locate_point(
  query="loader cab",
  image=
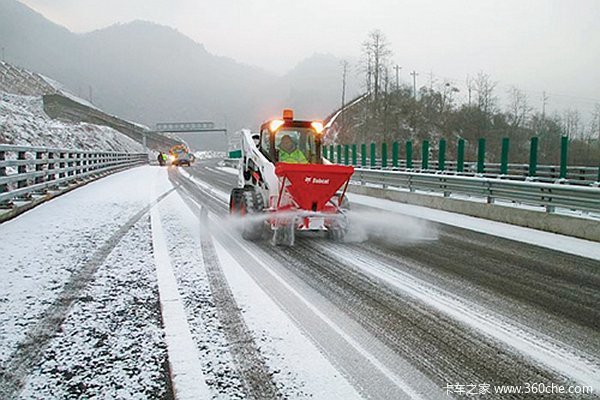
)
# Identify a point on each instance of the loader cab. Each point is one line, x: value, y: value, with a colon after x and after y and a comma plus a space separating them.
x: 292, y: 141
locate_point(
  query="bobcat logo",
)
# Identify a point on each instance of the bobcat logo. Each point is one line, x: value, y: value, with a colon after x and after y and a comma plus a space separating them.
x: 316, y: 181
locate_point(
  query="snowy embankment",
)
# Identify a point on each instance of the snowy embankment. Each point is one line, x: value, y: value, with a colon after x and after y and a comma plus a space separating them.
x: 24, y: 122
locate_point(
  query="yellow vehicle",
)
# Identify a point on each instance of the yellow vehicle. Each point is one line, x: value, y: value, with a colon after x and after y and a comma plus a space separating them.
x: 180, y: 155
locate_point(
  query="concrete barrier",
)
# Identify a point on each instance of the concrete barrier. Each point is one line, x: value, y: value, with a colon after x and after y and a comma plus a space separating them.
x: 550, y: 222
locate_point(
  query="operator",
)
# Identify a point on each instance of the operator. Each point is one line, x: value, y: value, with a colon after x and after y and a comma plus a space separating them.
x: 289, y: 153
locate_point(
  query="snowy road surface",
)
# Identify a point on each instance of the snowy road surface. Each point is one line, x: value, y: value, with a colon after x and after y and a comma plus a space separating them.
x: 139, y: 286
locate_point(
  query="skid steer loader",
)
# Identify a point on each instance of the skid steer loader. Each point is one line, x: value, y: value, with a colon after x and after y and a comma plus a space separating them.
x: 285, y: 186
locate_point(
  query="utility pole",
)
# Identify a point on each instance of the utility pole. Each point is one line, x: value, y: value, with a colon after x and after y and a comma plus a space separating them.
x: 344, y: 73
x: 469, y: 87
x: 544, y: 100
x: 397, y: 68
x: 414, y: 75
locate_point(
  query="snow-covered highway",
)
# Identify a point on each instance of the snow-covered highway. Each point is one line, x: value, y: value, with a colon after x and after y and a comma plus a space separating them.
x: 139, y: 286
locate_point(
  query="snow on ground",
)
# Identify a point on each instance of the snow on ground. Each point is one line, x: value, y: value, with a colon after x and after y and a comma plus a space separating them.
x: 41, y: 249
x: 111, y: 345
x: 566, y: 244
x: 24, y: 122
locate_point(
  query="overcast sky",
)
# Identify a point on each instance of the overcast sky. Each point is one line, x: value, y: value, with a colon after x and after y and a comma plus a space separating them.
x: 551, y: 45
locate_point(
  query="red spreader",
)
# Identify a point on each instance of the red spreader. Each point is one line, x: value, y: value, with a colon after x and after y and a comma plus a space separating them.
x: 313, y: 185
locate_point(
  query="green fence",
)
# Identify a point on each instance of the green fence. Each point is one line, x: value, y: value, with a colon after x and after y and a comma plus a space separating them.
x: 373, y: 155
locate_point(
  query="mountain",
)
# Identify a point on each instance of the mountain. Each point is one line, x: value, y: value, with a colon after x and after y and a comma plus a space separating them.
x: 151, y: 73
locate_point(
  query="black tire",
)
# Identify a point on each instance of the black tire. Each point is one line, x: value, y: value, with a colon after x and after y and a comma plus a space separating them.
x: 235, y: 201
x: 251, y: 209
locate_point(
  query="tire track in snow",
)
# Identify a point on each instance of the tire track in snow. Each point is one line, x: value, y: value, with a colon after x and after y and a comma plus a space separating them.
x: 31, y: 351
x: 248, y: 360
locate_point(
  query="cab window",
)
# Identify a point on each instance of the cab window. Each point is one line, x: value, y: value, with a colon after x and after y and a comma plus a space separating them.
x: 296, y: 139
x: 265, y: 143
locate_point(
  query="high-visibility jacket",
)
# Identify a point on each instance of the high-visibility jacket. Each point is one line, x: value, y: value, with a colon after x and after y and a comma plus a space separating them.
x: 295, y: 157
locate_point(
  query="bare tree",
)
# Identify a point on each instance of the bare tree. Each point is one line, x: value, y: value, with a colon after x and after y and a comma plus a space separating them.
x: 571, y: 123
x: 376, y: 54
x: 448, y: 91
x: 484, y: 86
x: 595, y: 123
x: 518, y: 108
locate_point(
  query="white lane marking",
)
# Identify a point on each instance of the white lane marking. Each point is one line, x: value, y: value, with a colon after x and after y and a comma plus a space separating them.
x: 534, y: 344
x: 553, y: 241
x: 184, y: 358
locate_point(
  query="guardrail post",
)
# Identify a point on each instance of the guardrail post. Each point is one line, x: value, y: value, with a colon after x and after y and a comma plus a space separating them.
x: 533, y: 150
x: 564, y: 150
x: 481, y: 156
x: 442, y: 155
x: 384, y: 155
x: 363, y: 155
x: 4, y: 186
x: 324, y: 151
x: 425, y: 154
x: 373, y: 155
x: 346, y: 154
x: 21, y: 169
x: 460, y: 156
x: 73, y: 164
x: 395, y: 155
x: 331, y: 154
x: 39, y: 167
x: 61, y: 165
x: 338, y: 151
x: 504, y: 156
x: 409, y: 160
x: 80, y: 166
x: 354, y: 154
x: 490, y: 199
x: 51, y: 175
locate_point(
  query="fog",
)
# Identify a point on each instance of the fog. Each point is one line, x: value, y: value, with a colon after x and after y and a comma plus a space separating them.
x: 547, y: 45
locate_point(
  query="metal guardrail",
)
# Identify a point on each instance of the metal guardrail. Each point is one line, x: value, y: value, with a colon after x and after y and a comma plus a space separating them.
x: 548, y: 195
x: 25, y: 170
x: 576, y: 175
